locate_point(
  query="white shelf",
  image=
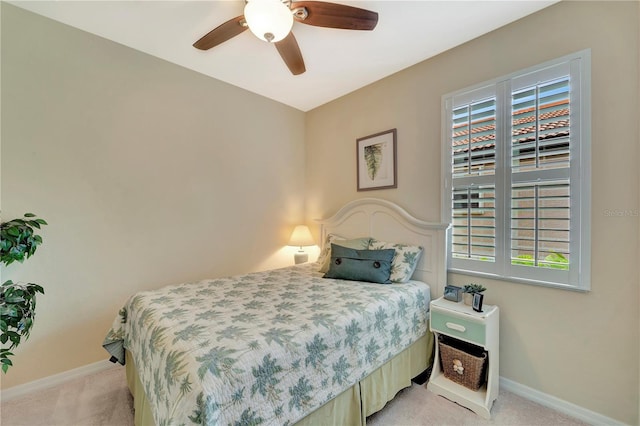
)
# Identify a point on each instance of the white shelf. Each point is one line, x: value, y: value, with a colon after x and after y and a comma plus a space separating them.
x: 461, y: 308
x: 476, y: 401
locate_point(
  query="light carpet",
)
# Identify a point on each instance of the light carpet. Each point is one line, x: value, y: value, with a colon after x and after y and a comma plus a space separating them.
x: 103, y: 399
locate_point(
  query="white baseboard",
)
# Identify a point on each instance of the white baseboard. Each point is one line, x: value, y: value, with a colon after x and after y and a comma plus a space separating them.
x: 56, y: 379
x: 557, y: 404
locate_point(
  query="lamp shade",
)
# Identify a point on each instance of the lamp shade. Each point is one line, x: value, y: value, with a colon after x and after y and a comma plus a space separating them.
x: 301, y: 236
x: 269, y: 20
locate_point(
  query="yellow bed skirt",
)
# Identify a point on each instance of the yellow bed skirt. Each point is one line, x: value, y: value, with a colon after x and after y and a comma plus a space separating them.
x: 351, y: 407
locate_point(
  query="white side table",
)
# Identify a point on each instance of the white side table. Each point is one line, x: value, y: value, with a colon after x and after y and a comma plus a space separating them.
x: 457, y: 320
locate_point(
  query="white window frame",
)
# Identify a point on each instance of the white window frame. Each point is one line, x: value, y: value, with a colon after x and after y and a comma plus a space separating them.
x: 578, y: 66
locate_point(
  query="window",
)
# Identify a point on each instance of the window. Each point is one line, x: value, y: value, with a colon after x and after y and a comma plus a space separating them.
x: 517, y: 175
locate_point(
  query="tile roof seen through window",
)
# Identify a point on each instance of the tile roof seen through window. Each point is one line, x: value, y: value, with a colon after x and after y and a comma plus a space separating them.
x: 487, y: 132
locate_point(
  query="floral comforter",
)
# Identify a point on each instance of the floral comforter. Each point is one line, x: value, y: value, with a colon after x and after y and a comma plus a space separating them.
x: 263, y: 348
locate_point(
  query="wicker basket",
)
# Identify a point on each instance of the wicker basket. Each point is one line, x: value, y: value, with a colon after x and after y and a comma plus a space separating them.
x: 463, y: 363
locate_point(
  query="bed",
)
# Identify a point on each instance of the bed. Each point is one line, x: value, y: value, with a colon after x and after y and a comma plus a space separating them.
x: 286, y: 346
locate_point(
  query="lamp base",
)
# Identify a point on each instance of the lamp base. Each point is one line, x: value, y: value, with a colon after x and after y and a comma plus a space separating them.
x: 300, y: 258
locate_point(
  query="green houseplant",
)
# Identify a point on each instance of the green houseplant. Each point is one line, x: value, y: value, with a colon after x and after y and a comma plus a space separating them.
x: 469, y: 290
x: 18, y: 241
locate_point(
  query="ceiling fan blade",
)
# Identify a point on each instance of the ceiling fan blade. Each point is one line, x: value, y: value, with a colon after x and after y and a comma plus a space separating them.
x: 222, y: 33
x: 291, y: 55
x: 332, y: 15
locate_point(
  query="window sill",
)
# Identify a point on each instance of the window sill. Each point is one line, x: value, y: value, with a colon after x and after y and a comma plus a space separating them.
x: 518, y: 280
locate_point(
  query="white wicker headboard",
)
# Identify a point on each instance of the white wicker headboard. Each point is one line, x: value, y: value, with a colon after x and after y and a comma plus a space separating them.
x: 386, y: 221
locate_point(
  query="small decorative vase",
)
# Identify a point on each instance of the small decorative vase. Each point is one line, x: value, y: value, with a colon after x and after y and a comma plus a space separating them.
x: 468, y: 298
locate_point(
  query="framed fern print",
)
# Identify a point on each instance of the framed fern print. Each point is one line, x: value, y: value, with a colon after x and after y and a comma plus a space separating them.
x: 376, y: 161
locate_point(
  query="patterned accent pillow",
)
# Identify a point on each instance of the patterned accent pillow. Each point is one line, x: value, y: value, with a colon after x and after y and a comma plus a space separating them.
x: 325, y: 255
x: 404, y: 262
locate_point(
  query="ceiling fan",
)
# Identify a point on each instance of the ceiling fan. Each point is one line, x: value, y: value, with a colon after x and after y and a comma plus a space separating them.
x: 272, y: 20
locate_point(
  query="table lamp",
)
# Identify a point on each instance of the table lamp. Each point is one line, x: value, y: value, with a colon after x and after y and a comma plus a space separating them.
x: 301, y: 237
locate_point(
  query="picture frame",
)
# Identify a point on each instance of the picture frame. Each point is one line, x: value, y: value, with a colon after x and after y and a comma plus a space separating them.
x: 477, y: 302
x: 376, y: 161
x: 453, y: 293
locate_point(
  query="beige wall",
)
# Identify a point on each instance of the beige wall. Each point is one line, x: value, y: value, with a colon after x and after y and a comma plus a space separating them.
x: 580, y: 347
x: 147, y: 173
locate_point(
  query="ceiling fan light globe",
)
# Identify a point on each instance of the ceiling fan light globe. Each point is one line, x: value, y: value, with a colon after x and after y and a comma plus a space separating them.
x: 269, y: 20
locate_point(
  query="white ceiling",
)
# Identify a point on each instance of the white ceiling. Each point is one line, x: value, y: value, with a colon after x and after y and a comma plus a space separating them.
x: 337, y: 61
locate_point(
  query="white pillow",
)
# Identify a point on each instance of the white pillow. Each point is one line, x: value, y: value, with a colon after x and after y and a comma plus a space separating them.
x: 404, y: 262
x: 324, y: 259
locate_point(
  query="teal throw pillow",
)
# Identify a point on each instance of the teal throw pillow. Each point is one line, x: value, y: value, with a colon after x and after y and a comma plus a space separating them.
x: 360, y: 265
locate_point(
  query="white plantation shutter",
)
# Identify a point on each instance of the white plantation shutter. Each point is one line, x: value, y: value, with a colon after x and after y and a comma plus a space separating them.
x: 540, y: 132
x: 517, y: 174
x: 540, y: 218
x: 472, y: 147
x: 474, y: 223
x: 474, y: 138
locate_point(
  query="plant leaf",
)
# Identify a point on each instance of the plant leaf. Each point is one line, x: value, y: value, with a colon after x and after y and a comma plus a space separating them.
x: 373, y: 158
